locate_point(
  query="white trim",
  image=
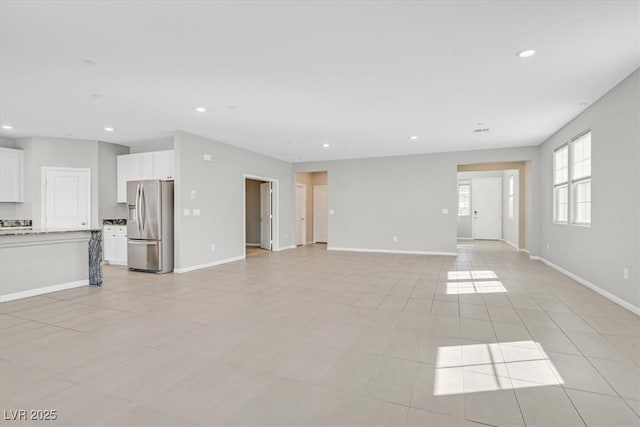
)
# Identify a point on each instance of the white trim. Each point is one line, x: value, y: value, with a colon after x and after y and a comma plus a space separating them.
x: 286, y: 247
x: 44, y: 290
x: 608, y: 295
x: 392, y: 251
x: 275, y: 210
x: 209, y: 264
x: 464, y: 238
x: 252, y: 244
x: 510, y: 244
x: 534, y: 257
x: 306, y: 214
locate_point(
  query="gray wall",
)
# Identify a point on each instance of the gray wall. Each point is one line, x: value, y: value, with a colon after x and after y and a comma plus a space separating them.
x: 108, y: 207
x: 600, y: 252
x: 152, y: 145
x: 252, y: 219
x: 376, y: 199
x: 510, y: 227
x: 8, y: 210
x: 39, y: 152
x: 219, y: 186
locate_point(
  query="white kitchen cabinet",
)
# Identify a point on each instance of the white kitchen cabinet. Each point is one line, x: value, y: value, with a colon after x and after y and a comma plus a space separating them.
x: 11, y: 175
x: 163, y: 164
x: 151, y: 165
x: 115, y: 244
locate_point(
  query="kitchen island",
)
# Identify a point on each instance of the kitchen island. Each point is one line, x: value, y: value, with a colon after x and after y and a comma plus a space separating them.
x: 38, y: 261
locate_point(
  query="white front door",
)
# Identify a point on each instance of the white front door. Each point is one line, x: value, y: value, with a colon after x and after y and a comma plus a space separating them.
x: 67, y: 197
x: 486, y: 208
x: 265, y: 215
x: 301, y: 214
x: 320, y: 214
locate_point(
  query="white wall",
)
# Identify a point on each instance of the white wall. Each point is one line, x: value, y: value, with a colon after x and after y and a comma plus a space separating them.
x: 219, y: 186
x: 160, y: 144
x: 599, y: 253
x: 376, y: 199
x: 510, y: 227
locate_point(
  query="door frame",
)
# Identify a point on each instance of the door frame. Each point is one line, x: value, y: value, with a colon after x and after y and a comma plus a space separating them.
x: 326, y: 187
x: 275, y: 211
x: 304, y: 229
x: 43, y: 191
x: 473, y: 223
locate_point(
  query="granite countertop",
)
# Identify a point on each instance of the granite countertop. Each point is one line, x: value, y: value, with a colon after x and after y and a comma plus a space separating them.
x: 20, y: 231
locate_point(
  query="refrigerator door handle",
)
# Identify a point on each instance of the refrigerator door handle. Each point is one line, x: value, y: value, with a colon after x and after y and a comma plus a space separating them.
x: 138, y: 209
x: 143, y: 210
x: 143, y: 242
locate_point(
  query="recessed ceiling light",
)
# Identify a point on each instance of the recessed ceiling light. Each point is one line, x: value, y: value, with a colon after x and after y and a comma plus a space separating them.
x: 201, y: 109
x: 326, y: 145
x: 109, y: 129
x: 88, y: 62
x: 413, y: 138
x: 526, y: 53
x: 7, y: 127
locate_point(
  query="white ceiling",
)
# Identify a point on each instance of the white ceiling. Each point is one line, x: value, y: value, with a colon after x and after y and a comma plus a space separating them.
x: 362, y: 76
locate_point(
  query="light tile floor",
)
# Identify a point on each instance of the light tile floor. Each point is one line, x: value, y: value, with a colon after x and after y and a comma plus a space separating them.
x: 310, y: 337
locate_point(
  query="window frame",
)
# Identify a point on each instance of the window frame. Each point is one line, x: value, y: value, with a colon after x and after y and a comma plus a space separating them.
x: 468, y: 185
x: 511, y: 197
x: 563, y: 184
x: 571, y: 184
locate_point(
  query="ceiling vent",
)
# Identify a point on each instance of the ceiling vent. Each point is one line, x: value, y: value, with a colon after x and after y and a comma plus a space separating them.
x: 481, y: 130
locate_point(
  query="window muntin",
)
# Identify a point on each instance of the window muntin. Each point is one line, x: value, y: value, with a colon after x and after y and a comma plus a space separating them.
x: 572, y: 196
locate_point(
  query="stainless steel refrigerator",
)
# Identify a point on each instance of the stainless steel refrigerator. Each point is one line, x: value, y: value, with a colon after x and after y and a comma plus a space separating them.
x: 150, y: 225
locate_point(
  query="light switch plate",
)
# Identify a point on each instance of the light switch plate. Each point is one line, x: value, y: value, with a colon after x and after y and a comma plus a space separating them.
x: 445, y: 211
x: 331, y: 211
x: 206, y: 157
x: 187, y: 212
x: 193, y: 194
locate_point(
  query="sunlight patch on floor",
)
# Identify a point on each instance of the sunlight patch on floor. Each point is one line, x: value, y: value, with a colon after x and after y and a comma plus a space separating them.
x: 495, y: 366
x: 487, y: 287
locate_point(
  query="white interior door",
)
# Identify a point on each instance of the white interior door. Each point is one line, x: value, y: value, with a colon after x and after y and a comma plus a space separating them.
x: 266, y: 215
x: 320, y: 214
x: 486, y: 208
x: 301, y: 214
x: 67, y: 197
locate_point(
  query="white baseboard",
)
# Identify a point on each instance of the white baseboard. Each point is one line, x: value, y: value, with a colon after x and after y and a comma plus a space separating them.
x: 511, y: 244
x: 608, y: 295
x: 44, y: 290
x: 310, y: 242
x: 209, y: 264
x: 252, y: 244
x: 392, y: 251
x: 534, y: 257
x: 464, y: 238
x: 286, y: 247
x: 526, y: 251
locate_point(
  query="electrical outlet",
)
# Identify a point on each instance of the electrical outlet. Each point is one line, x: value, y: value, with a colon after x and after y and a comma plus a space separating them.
x: 445, y: 211
x: 625, y: 273
x: 395, y: 238
x: 206, y: 157
x: 196, y: 212
x: 286, y: 236
x: 547, y: 246
x: 213, y: 247
x: 331, y: 212
x: 187, y: 212
x: 193, y: 194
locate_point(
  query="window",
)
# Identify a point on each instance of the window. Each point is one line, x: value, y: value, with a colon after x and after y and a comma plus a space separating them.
x: 561, y: 184
x: 511, y: 196
x: 572, y: 181
x: 581, y: 179
x: 464, y: 200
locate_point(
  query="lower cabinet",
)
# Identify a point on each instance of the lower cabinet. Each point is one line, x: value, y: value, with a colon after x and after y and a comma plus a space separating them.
x: 115, y: 244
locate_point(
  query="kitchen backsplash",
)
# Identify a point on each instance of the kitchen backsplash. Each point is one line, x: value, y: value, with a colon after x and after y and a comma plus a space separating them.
x: 15, y: 223
x: 119, y: 221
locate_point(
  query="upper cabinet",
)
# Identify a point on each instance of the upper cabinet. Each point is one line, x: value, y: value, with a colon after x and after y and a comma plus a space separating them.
x: 133, y: 167
x: 11, y: 175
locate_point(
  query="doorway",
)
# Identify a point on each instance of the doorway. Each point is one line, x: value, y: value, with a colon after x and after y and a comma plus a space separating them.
x: 260, y: 214
x: 66, y: 198
x: 491, y: 203
x: 312, y: 225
